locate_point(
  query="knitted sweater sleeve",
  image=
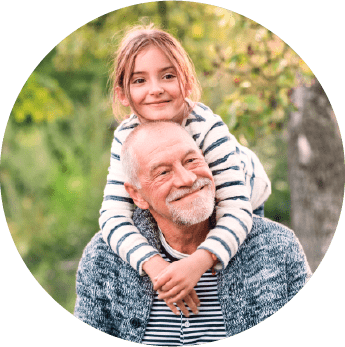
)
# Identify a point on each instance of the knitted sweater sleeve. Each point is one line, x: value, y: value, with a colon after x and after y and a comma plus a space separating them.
x: 297, y: 268
x: 93, y: 304
x: 117, y: 208
x: 233, y: 206
x: 90, y: 308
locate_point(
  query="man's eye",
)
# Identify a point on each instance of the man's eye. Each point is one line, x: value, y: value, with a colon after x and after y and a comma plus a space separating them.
x: 163, y: 173
x: 190, y: 160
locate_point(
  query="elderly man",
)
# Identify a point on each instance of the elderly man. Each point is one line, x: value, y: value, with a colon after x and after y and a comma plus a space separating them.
x: 174, y: 190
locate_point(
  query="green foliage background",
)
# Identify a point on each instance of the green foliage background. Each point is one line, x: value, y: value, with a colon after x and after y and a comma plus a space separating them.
x: 56, y: 149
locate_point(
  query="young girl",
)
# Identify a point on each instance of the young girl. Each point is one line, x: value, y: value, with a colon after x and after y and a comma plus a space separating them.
x: 154, y: 76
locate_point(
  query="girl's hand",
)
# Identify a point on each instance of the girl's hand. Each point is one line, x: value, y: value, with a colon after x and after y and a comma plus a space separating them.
x: 176, y: 281
x: 191, y: 300
x: 155, y: 266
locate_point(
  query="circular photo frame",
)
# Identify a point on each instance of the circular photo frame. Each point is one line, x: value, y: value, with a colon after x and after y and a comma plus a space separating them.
x: 57, y: 141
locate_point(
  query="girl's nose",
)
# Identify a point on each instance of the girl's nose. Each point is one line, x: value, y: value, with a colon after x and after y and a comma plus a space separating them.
x: 156, y: 89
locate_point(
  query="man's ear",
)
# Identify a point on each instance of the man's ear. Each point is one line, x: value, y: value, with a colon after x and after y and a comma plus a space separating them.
x: 136, y: 196
x: 122, y: 96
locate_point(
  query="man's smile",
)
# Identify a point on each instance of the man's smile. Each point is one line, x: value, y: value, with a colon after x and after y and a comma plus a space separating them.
x: 189, y: 194
x: 183, y: 193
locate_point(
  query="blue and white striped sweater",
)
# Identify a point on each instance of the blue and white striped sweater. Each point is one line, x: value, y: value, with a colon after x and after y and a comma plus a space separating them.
x: 241, y: 186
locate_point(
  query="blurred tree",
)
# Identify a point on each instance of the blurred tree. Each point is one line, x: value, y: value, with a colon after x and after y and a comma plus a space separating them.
x: 262, y: 68
x: 246, y: 71
x: 316, y: 171
x: 162, y: 10
x: 41, y: 99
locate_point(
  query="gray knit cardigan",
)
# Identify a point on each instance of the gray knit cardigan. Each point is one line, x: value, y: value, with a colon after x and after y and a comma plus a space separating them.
x: 268, y: 270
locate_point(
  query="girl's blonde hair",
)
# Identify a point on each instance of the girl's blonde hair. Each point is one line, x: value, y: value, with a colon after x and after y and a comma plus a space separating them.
x: 139, y: 38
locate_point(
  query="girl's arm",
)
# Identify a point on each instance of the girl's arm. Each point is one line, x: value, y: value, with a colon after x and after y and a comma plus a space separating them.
x: 233, y: 206
x: 257, y: 180
x: 115, y: 220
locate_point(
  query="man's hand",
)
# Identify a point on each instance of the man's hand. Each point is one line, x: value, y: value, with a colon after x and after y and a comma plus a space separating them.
x: 176, y: 282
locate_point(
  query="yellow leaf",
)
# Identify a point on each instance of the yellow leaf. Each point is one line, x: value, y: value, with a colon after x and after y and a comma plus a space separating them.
x: 197, y: 31
x: 304, y: 67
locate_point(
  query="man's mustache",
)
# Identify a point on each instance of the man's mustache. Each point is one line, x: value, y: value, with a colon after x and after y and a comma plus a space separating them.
x: 197, y: 185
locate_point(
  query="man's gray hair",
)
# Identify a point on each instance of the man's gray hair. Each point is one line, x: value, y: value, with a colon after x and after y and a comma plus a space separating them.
x: 129, y: 161
x: 129, y: 158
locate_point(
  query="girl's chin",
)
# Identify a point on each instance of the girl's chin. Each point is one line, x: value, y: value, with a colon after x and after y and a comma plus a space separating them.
x: 159, y: 116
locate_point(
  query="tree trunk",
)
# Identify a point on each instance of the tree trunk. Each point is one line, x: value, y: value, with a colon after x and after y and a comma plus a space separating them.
x: 316, y: 171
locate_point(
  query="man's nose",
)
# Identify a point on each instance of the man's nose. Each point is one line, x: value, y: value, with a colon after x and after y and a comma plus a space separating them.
x: 184, y: 177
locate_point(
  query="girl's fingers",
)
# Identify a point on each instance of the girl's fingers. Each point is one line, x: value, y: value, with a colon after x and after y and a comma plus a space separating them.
x: 191, y: 304
x: 160, y: 281
x: 192, y: 301
x: 170, y: 285
x: 183, y: 308
x: 179, y: 296
x: 194, y: 297
x: 173, y: 308
x: 172, y: 294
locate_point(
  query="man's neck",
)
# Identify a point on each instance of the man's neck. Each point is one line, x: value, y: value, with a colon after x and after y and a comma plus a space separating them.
x: 185, y: 239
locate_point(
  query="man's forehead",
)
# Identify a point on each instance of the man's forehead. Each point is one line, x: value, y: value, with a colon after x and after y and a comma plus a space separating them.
x: 162, y: 160
x: 156, y: 148
x: 163, y: 135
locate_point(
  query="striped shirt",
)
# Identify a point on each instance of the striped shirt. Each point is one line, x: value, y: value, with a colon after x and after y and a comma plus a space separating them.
x: 241, y: 186
x: 167, y: 329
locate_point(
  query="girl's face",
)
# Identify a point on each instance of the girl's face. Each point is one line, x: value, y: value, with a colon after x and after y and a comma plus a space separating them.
x: 154, y: 88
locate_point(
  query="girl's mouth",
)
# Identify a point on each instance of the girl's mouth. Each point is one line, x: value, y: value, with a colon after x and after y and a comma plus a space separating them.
x: 159, y: 103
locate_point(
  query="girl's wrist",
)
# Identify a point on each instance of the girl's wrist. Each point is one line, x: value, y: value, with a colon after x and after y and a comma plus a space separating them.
x: 215, y: 261
x: 154, y: 266
x: 206, y: 259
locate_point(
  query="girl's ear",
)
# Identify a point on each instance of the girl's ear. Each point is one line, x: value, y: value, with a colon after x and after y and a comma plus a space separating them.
x: 121, y: 96
x: 136, y: 196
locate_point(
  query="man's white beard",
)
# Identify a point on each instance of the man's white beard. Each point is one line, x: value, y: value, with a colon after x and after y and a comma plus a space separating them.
x: 196, y: 211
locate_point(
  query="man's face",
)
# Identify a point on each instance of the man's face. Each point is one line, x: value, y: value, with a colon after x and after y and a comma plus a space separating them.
x: 176, y: 182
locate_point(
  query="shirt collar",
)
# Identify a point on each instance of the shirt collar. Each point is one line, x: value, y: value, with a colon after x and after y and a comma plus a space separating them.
x: 173, y: 252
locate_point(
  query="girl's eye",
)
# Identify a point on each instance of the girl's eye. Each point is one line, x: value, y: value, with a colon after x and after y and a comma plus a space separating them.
x: 169, y: 76
x: 138, y: 81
